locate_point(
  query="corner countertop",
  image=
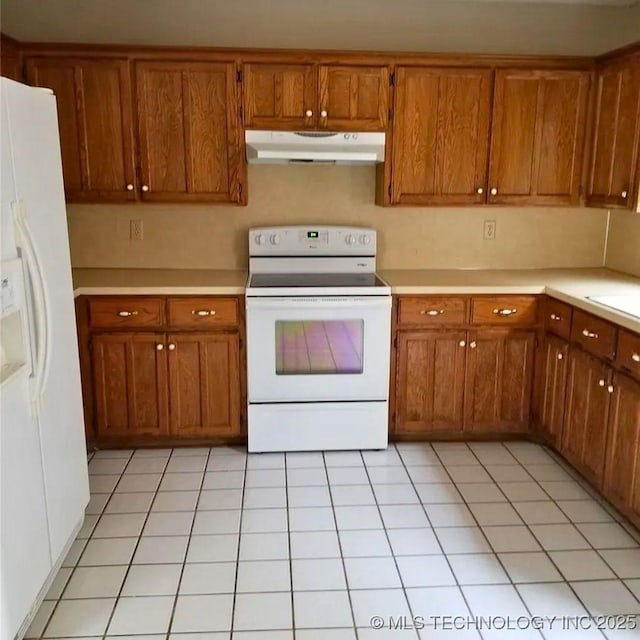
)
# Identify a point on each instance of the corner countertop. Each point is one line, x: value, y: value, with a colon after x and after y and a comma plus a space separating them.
x: 569, y: 285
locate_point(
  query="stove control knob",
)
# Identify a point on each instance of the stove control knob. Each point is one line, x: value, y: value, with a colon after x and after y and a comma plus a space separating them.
x: 350, y: 239
x: 260, y: 238
x: 274, y: 238
x: 365, y: 239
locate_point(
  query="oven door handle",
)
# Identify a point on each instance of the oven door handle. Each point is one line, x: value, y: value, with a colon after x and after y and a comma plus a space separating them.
x: 338, y: 302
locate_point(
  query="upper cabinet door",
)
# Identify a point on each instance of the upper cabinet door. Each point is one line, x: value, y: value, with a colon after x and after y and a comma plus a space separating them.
x: 190, y: 138
x: 440, y: 136
x: 614, y: 162
x: 94, y: 115
x: 537, y: 137
x: 353, y: 98
x: 280, y: 96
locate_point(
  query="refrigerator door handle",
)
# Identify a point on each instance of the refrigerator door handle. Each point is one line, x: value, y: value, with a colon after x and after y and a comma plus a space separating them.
x: 41, y: 319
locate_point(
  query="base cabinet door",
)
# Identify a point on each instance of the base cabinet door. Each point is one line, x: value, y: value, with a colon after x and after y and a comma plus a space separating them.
x: 552, y: 360
x: 204, y: 384
x: 130, y: 384
x: 430, y: 370
x: 622, y: 474
x: 499, y: 380
x: 584, y: 434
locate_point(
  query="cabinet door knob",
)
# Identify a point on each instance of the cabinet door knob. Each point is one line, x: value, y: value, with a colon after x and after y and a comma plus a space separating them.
x: 602, y: 382
x: 159, y: 347
x: 145, y: 187
x: 431, y: 312
x: 308, y: 113
x: 203, y: 312
x: 127, y: 314
x: 555, y: 317
x: 473, y: 344
x: 480, y: 190
x: 462, y: 343
x: 129, y: 187
x: 610, y: 388
x: 323, y: 114
x: 505, y: 312
x: 172, y: 347
x: 635, y: 357
x: 494, y: 191
x: 589, y: 334
x: 560, y: 356
x: 624, y: 194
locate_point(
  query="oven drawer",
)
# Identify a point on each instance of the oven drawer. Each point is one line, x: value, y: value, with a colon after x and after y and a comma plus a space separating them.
x: 503, y: 310
x: 628, y: 354
x: 557, y: 317
x: 126, y: 312
x: 430, y: 311
x: 195, y: 313
x: 595, y: 335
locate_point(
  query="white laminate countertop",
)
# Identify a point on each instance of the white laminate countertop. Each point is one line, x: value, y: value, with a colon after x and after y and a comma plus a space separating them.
x: 573, y: 286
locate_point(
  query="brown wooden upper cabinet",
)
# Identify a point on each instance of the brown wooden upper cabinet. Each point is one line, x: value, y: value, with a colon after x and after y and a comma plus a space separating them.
x: 94, y: 116
x: 613, y: 179
x: 537, y: 136
x: 189, y: 131
x: 308, y: 96
x: 440, y: 136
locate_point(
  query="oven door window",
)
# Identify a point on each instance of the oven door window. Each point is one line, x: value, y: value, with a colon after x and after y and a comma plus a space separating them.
x: 312, y: 347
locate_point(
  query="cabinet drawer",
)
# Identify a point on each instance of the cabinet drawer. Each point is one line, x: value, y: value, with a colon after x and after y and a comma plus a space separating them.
x: 628, y: 352
x: 503, y: 310
x: 432, y: 311
x: 593, y: 334
x: 557, y: 317
x: 126, y: 312
x: 202, y: 312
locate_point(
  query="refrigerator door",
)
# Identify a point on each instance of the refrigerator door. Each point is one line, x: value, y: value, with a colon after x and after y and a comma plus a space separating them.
x: 35, y: 146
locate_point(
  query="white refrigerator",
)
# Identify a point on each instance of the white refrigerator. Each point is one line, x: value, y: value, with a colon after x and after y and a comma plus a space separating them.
x: 43, y: 464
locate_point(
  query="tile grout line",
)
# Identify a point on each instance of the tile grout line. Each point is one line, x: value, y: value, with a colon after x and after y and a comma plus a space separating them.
x: 286, y: 493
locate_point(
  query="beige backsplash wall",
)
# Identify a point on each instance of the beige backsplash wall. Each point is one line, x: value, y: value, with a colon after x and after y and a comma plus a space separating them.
x: 204, y: 236
x: 623, y: 243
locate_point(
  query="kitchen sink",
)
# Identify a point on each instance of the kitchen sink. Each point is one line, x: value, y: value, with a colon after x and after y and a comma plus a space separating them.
x: 626, y: 303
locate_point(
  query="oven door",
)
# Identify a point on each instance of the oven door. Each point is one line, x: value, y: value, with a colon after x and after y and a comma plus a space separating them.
x: 318, y: 349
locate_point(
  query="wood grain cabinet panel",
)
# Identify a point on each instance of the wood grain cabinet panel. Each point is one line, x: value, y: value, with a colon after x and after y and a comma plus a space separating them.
x: 95, y: 121
x: 353, y: 98
x: 440, y: 136
x: 622, y: 471
x: 204, y: 384
x: 130, y: 385
x: 584, y: 433
x: 537, y: 137
x: 430, y: 387
x: 614, y: 162
x: 551, y: 383
x: 499, y: 380
x: 279, y: 96
x: 189, y: 131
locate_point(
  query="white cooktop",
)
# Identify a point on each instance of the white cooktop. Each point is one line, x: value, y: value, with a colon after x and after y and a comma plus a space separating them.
x: 627, y: 304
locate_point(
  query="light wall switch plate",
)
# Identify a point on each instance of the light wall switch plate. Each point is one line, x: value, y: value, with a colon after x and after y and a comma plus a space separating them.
x: 136, y: 231
x: 489, y: 230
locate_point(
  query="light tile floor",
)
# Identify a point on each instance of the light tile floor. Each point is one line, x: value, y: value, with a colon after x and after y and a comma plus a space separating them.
x: 214, y: 544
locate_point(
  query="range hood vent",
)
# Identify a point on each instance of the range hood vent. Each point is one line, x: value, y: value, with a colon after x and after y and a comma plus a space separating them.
x: 281, y: 147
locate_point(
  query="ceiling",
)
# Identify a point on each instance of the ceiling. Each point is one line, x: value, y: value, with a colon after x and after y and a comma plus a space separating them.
x: 581, y: 27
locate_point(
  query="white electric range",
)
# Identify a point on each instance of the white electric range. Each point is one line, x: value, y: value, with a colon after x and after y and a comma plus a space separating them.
x: 318, y: 340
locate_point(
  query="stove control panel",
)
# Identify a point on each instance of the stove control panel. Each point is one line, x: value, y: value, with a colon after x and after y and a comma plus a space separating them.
x: 312, y: 240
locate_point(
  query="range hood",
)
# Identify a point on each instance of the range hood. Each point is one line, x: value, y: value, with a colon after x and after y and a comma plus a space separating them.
x: 279, y: 147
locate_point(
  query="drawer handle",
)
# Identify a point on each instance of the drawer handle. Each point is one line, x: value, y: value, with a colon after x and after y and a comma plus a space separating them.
x: 589, y: 334
x: 127, y: 314
x: 432, y: 312
x: 203, y: 313
x: 635, y: 357
x: 555, y: 317
x: 505, y: 312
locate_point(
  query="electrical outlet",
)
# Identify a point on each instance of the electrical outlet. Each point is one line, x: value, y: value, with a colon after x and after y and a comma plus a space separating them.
x: 489, y: 229
x: 136, y: 230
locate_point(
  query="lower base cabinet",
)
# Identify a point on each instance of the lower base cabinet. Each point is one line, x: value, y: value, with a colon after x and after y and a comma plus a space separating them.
x: 182, y: 385
x: 587, y: 404
x: 622, y: 468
